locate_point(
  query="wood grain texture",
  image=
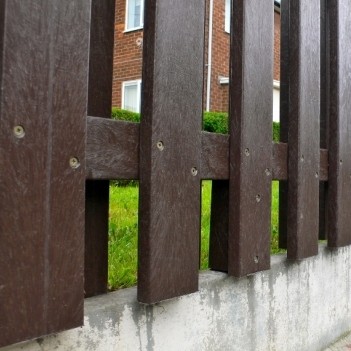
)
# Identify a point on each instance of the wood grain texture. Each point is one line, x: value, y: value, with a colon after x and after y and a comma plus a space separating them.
x: 170, y: 142
x: 280, y: 161
x: 218, y: 248
x: 112, y: 149
x: 44, y: 90
x: 284, y: 115
x: 251, y: 104
x: 112, y: 152
x: 99, y: 104
x: 304, y: 127
x: 324, y: 91
x: 214, y: 156
x: 215, y: 165
x: 2, y: 34
x: 339, y: 221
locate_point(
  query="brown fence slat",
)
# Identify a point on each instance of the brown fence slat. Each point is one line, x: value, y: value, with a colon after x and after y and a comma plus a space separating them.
x: 284, y: 115
x: 251, y: 105
x: 323, y: 187
x: 339, y: 221
x: 170, y: 142
x: 218, y: 248
x: 99, y: 104
x: 304, y: 126
x: 42, y: 151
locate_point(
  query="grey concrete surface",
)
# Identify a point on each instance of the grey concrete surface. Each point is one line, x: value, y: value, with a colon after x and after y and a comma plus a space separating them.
x: 343, y: 344
x: 295, y: 306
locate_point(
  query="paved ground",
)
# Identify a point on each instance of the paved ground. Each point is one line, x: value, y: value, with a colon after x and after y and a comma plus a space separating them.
x: 344, y: 344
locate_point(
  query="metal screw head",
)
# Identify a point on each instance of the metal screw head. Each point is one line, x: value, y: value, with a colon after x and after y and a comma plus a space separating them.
x: 247, y: 152
x: 268, y: 172
x: 258, y: 198
x: 160, y: 145
x: 18, y: 131
x: 256, y: 259
x: 194, y: 171
x: 74, y: 162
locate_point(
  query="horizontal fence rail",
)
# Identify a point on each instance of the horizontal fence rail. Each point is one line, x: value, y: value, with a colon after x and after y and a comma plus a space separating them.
x: 113, y: 153
x: 58, y: 143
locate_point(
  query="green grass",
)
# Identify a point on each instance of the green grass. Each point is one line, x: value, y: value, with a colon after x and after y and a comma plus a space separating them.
x: 123, y: 229
x: 275, y: 219
x: 205, y: 223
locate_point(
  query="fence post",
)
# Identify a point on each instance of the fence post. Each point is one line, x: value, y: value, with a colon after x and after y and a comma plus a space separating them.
x: 323, y: 186
x: 304, y: 129
x: 99, y: 105
x: 284, y: 116
x: 218, y: 248
x: 339, y: 196
x: 251, y: 106
x: 44, y: 75
x: 170, y: 145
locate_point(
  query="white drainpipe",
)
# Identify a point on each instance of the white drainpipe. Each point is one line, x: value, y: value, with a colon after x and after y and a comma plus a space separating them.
x: 209, y: 57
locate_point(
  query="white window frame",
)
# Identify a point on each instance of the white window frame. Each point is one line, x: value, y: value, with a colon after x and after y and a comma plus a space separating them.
x: 227, y: 11
x: 141, y: 17
x: 129, y: 83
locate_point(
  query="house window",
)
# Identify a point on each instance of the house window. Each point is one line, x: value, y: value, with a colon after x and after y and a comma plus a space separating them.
x: 134, y: 14
x: 131, y: 92
x: 227, y: 16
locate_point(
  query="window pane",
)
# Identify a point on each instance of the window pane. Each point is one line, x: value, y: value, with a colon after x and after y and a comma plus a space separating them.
x: 227, y: 16
x: 131, y: 98
x: 134, y: 13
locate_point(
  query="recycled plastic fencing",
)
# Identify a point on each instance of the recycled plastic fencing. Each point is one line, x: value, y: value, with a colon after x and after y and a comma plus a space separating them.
x: 58, y: 149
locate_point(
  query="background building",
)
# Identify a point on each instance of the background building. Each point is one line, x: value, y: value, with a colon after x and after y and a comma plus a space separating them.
x: 129, y: 45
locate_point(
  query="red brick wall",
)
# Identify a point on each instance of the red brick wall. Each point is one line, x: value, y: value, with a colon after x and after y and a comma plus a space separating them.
x: 220, y: 58
x: 128, y: 55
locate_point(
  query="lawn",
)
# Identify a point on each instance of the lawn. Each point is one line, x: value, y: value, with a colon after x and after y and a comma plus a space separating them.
x: 123, y: 228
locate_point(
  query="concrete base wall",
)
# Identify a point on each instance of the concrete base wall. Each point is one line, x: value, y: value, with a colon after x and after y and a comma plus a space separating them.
x: 294, y: 306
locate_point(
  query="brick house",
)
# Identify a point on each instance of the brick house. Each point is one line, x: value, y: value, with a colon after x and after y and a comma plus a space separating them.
x: 128, y: 55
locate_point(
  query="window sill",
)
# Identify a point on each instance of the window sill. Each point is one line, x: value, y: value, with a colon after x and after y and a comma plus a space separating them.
x: 133, y: 29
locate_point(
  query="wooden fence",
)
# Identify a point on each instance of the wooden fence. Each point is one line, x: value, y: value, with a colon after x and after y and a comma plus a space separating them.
x: 56, y: 69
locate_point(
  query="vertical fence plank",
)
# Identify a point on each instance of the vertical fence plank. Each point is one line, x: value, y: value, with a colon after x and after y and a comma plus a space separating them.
x: 323, y: 186
x: 284, y: 116
x: 170, y: 142
x: 43, y: 103
x: 304, y: 126
x: 99, y: 105
x: 339, y: 221
x: 218, y: 248
x: 251, y: 105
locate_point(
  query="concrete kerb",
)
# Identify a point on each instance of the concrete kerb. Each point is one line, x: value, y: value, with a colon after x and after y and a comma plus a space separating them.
x: 294, y: 306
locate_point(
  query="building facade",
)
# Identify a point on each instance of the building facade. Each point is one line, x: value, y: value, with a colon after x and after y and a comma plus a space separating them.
x: 129, y: 45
